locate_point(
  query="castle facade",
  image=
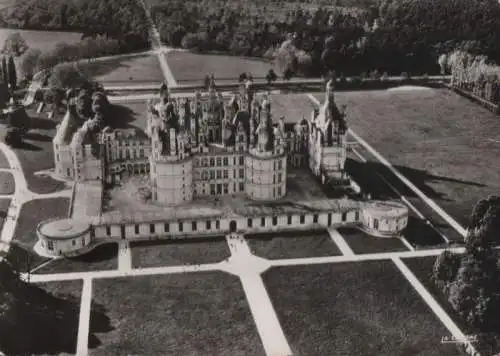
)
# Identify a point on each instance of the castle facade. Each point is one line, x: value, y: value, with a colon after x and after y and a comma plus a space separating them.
x: 204, y: 146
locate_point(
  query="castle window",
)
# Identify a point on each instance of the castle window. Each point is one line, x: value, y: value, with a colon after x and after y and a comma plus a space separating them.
x: 212, y: 162
x: 344, y: 216
x: 356, y: 216
x: 375, y: 223
x: 234, y: 173
x: 242, y: 160
x: 208, y: 224
x: 152, y: 228
x: 226, y: 188
x: 141, y: 153
x: 302, y: 219
x: 226, y: 161
x: 136, y: 229
x: 274, y: 179
x: 279, y: 191
x: 219, y: 161
x: 204, y: 175
x: 262, y: 222
x: 315, y: 218
x: 50, y: 245
x: 68, y: 172
x: 275, y: 220
x: 274, y: 165
x: 108, y: 231
x: 234, y: 161
x: 204, y: 162
x: 212, y: 174
x: 166, y: 227
x: 226, y: 175
x: 279, y: 177
x: 217, y: 224
x: 289, y: 220
x: 242, y: 186
x: 242, y: 173
x: 212, y: 189
x: 219, y: 174
x: 280, y: 164
x: 194, y: 226
x: 181, y: 227
x: 57, y: 157
x: 73, y: 242
x: 249, y: 222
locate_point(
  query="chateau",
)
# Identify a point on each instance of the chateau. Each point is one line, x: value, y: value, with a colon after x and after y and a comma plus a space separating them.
x: 204, y: 146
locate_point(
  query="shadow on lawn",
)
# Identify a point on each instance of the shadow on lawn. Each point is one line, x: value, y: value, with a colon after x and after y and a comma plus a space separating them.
x: 100, y: 68
x: 44, y: 323
x: 121, y: 117
x: 40, y: 123
x: 35, y: 136
x: 27, y: 146
x: 365, y: 175
x: 99, y: 254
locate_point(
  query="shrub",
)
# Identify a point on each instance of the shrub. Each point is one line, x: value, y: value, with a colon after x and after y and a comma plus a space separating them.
x: 445, y: 269
x: 13, y: 137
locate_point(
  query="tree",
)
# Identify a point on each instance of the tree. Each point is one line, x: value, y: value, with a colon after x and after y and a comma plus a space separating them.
x: 29, y: 62
x: 12, y: 73
x: 13, y: 137
x: 206, y: 81
x: 14, y: 45
x: 271, y: 76
x: 484, y: 226
x: 5, y: 73
x: 67, y: 75
x: 445, y: 269
x: 243, y: 77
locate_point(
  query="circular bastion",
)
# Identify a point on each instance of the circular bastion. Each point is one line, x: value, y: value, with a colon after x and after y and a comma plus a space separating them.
x: 62, y: 237
x: 384, y: 218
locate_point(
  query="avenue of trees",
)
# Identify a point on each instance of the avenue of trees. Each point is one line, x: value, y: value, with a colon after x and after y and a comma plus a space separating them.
x: 471, y: 281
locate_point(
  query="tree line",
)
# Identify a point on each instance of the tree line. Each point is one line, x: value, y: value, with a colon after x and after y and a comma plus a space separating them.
x: 122, y: 20
x: 391, y: 36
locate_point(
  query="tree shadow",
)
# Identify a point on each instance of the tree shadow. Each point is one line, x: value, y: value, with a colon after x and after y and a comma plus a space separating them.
x: 101, y: 68
x: 34, y: 136
x: 99, y: 323
x: 121, y: 117
x: 420, y: 233
x: 101, y: 253
x: 22, y: 258
x: 41, y: 123
x: 366, y: 175
x: 27, y: 146
x: 45, y: 323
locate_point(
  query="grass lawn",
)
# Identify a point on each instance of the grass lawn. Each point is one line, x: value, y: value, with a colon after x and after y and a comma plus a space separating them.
x: 33, y: 212
x: 139, y: 69
x: 179, y: 252
x: 190, y: 314
x: 104, y: 257
x: 422, y: 268
x: 295, y: 244
x: 42, y: 40
x: 188, y: 68
x: 360, y: 242
x: 292, y: 106
x: 7, y: 183
x: 3, y: 161
x: 36, y: 153
x: 46, y: 322
x: 445, y: 144
x: 363, y: 308
x: 4, y: 208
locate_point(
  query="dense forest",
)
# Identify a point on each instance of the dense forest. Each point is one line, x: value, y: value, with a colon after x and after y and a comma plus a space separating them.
x: 308, y: 37
x: 122, y: 20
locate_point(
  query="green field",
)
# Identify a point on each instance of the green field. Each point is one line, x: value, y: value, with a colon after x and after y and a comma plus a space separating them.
x: 32, y: 213
x: 179, y: 252
x: 445, y: 144
x: 188, y: 314
x: 366, y: 308
x: 189, y: 68
x: 7, y: 183
x: 295, y: 244
x: 42, y: 40
x: 125, y: 70
x: 292, y: 106
x: 360, y: 242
